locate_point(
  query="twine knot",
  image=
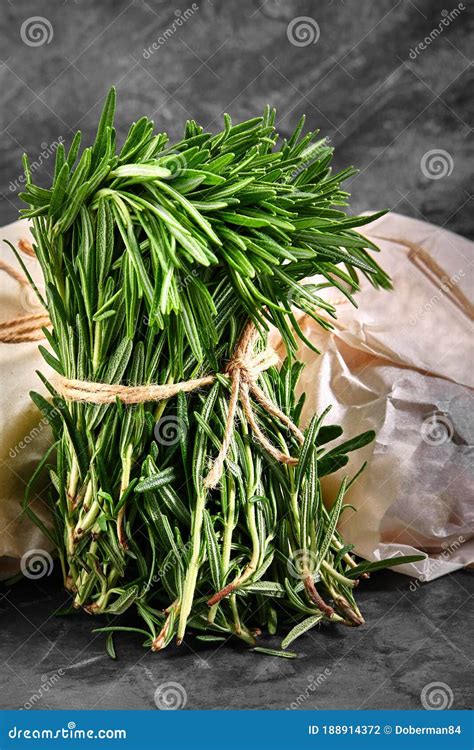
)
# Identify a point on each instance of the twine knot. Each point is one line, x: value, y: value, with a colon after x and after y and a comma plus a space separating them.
x: 243, y: 369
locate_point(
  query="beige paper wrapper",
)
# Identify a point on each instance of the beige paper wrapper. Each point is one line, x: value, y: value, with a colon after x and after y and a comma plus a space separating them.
x: 24, y: 433
x: 402, y: 365
x: 399, y: 365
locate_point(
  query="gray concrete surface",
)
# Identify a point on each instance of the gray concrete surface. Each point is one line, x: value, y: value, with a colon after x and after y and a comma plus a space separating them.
x: 414, y: 637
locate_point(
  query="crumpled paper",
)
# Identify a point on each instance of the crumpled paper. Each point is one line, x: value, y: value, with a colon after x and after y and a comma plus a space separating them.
x: 402, y: 364
x: 24, y: 433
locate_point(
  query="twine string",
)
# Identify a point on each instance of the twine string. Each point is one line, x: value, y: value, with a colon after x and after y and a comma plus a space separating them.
x: 23, y: 329
x: 243, y: 370
x: 26, y: 327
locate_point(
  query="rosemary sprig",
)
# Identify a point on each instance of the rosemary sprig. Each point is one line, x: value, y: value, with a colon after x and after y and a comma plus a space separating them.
x: 154, y: 258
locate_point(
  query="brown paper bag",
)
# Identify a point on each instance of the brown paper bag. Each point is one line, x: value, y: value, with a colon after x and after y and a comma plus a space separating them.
x: 402, y: 365
x: 24, y: 432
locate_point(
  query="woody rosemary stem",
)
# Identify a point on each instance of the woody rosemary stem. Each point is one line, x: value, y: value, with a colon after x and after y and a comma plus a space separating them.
x: 97, y: 346
x: 251, y: 566
x: 125, y: 481
x: 229, y: 525
x: 73, y: 480
x: 193, y: 567
x: 227, y: 536
x: 239, y: 629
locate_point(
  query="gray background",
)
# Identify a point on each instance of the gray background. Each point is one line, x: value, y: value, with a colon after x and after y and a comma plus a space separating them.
x: 383, y: 111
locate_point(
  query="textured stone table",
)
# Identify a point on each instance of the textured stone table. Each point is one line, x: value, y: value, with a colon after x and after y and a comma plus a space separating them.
x: 413, y: 637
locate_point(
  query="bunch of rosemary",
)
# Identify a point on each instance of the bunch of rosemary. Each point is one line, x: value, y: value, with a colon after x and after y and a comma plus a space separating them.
x: 155, y: 257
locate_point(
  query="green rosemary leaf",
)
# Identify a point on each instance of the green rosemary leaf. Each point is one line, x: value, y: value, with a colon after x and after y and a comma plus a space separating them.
x: 193, y: 212
x: 267, y: 588
x: 210, y: 638
x: 390, y: 562
x: 274, y: 652
x: 331, y: 527
x: 104, y: 242
x: 191, y: 329
x: 130, y: 241
x: 174, y: 504
x: 123, y: 602
x: 145, y: 171
x: 337, y: 457
x: 72, y: 209
x: 81, y: 172
x: 109, y: 646
x: 57, y: 196
x: 328, y: 433
x: 138, y: 136
x: 74, y: 149
x: 307, y: 451
x: 301, y: 628
x: 120, y: 629
x: 106, y: 121
x: 212, y: 547
x: 52, y: 361
x: 156, y: 480
x: 59, y: 162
